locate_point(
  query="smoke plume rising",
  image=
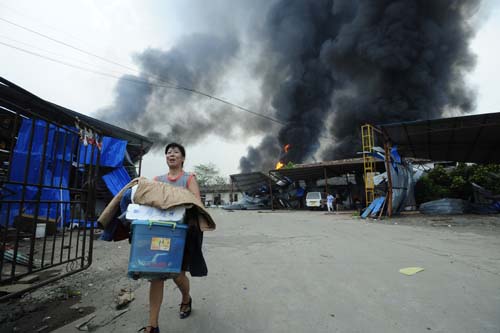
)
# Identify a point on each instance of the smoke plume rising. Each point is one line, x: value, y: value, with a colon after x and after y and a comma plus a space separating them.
x: 164, y: 114
x: 343, y: 63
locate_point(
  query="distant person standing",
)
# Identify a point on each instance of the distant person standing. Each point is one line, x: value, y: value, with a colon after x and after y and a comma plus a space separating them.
x: 329, y: 202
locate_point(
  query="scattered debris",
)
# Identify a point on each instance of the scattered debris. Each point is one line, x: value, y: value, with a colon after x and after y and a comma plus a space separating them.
x: 29, y: 279
x: 410, y: 270
x: 13, y: 288
x: 72, y: 293
x: 124, y: 298
x: 21, y: 258
x: 105, y: 317
x: 75, y: 306
x: 119, y: 313
x: 82, y: 324
x: 54, y: 274
x: 445, y: 206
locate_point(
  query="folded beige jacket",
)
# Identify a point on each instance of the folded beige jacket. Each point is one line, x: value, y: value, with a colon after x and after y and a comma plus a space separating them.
x: 160, y: 195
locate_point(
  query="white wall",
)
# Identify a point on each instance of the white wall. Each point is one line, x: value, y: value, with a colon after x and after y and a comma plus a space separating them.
x: 225, y: 196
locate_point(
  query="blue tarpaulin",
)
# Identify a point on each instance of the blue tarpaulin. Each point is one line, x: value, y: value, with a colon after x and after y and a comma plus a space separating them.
x: 112, y: 152
x: 116, y: 180
x: 59, y: 207
x: 373, y: 208
x: 395, y: 155
x: 57, y: 148
x: 56, y: 153
x: 56, y: 166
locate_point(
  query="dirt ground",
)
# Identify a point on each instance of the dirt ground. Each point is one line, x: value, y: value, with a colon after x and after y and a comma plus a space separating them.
x: 288, y: 271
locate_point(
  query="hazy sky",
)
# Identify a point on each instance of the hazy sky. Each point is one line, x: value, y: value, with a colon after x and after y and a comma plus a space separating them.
x: 117, y: 30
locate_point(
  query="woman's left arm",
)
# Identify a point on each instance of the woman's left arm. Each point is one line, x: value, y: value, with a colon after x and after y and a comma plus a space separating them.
x: 193, y: 187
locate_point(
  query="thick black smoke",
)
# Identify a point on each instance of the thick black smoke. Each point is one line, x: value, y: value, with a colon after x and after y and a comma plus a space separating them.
x: 334, y: 65
x: 200, y: 62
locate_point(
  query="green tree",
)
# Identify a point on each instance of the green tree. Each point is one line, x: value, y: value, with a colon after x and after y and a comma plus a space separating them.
x: 456, y: 183
x: 208, y: 174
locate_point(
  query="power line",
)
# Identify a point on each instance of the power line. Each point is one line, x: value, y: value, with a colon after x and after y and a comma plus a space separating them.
x: 173, y: 85
x: 55, y: 53
x: 22, y: 13
x: 93, y: 54
x: 67, y: 45
x: 170, y: 85
x: 62, y: 62
x: 141, y: 81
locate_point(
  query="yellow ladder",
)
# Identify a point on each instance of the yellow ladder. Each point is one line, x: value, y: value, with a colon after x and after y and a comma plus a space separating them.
x: 367, y: 138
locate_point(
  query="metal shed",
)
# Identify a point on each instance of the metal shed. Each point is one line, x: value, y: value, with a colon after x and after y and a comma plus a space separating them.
x: 56, y: 165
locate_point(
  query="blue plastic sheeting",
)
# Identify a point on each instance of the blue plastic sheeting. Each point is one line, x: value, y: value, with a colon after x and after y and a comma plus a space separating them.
x: 376, y: 204
x: 77, y: 223
x: 56, y: 153
x: 377, y: 155
x: 53, y: 210
x: 112, y: 152
x: 56, y: 166
x: 116, y: 180
x: 395, y: 155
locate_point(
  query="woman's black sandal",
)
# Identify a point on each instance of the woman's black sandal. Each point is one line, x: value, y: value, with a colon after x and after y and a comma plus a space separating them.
x: 184, y: 314
x: 151, y: 329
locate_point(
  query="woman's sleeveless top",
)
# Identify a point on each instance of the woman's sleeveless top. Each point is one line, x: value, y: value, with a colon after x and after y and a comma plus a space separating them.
x: 182, y: 180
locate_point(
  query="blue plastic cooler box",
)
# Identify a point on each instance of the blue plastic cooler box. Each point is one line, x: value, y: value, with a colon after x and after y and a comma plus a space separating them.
x: 157, y: 249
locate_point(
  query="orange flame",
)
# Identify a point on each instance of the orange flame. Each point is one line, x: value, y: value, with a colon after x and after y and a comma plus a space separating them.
x: 286, y: 147
x: 279, y: 165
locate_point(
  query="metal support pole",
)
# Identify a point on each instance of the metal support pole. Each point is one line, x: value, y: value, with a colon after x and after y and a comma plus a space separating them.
x: 389, y: 178
x: 326, y: 180
x: 140, y: 160
x: 232, y: 189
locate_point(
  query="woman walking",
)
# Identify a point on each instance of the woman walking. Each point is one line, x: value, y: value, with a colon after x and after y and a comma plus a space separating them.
x: 193, y: 258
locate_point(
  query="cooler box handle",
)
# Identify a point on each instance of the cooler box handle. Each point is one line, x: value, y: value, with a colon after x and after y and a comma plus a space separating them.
x: 172, y: 224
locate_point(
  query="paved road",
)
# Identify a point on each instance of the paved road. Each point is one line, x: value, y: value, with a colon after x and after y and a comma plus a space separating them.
x: 312, y: 272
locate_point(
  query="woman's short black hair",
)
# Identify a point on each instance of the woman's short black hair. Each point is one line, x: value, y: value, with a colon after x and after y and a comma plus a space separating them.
x: 175, y: 145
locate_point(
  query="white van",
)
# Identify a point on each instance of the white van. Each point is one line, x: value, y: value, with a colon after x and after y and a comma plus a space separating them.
x: 316, y: 200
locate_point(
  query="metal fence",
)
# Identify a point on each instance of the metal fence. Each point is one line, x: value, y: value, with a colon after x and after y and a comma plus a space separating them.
x: 47, y: 199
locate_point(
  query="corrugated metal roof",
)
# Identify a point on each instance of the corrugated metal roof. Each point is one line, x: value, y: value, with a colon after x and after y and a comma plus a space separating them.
x: 20, y: 100
x: 473, y: 138
x: 316, y: 171
x: 250, y: 182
